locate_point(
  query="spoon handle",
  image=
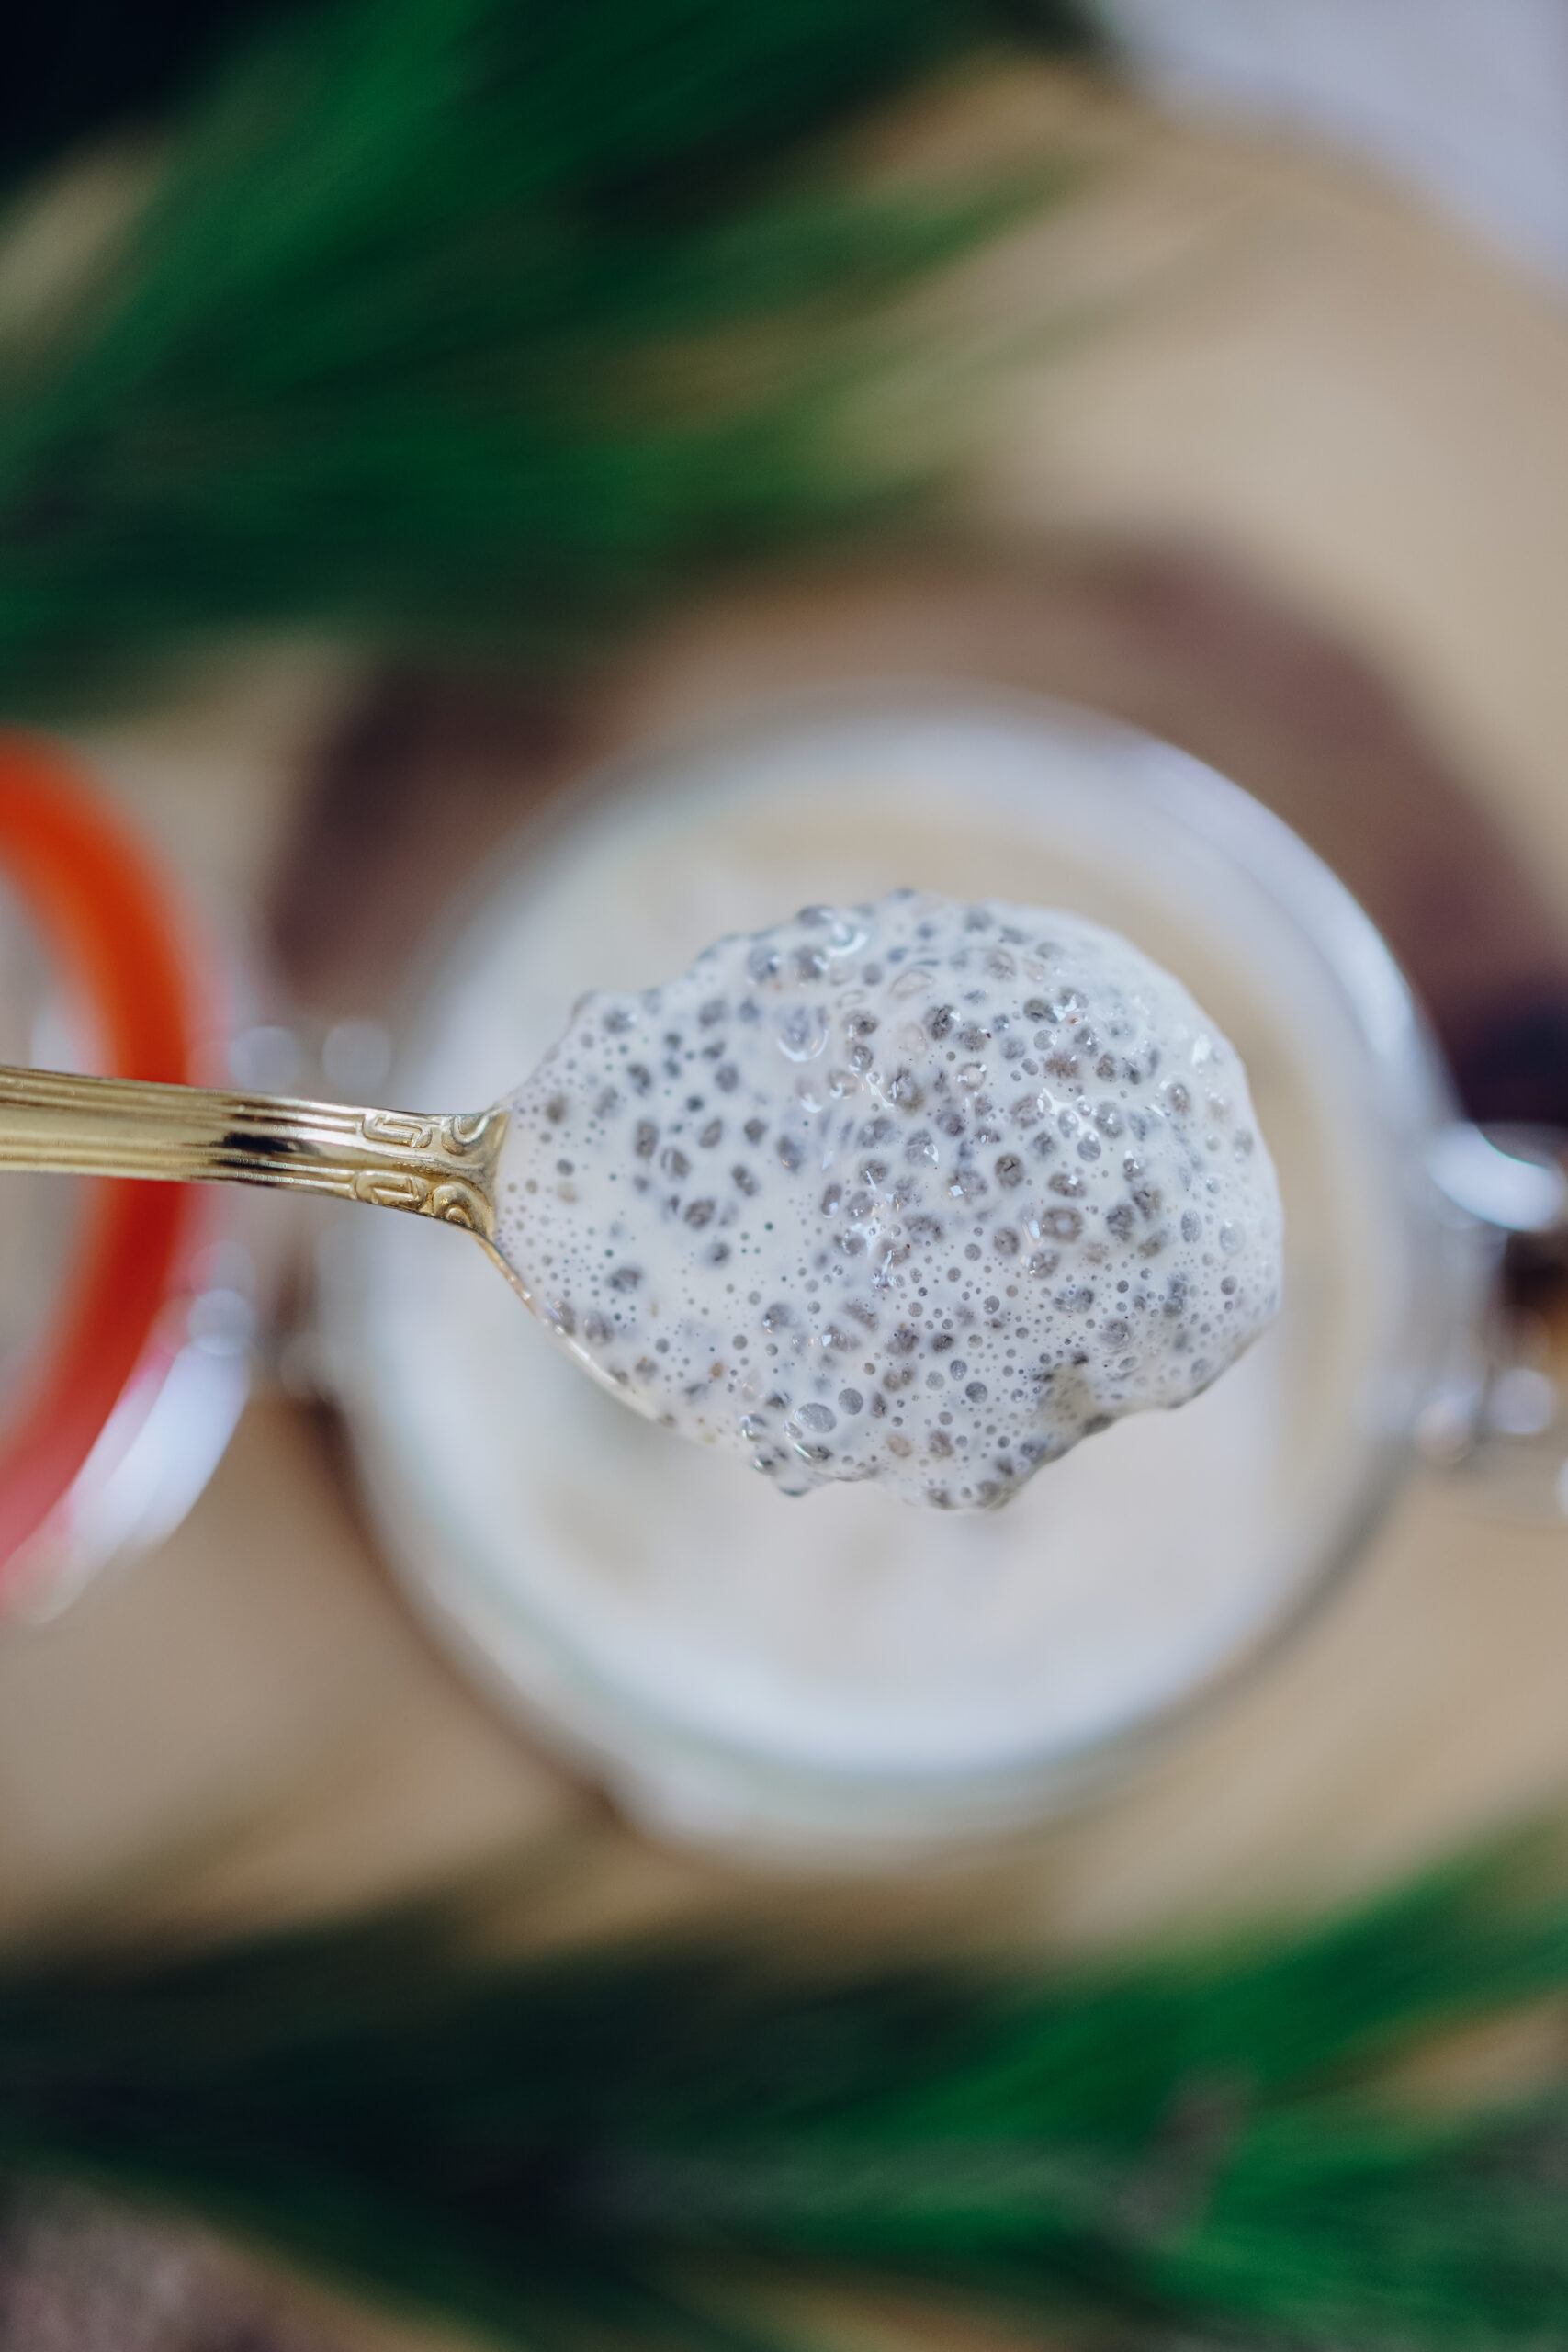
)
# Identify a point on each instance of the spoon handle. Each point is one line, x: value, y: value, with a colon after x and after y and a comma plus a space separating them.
x: 189, y: 1135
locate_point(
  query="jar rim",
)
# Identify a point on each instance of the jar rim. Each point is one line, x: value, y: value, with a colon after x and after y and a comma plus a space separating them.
x: 698, y: 1783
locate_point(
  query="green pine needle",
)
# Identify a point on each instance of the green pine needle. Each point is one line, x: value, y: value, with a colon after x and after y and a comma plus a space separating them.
x: 573, y: 2150
x: 476, y: 319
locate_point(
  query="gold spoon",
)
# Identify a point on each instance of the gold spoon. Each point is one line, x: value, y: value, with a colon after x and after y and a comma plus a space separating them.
x: 439, y: 1167
x: 443, y: 1166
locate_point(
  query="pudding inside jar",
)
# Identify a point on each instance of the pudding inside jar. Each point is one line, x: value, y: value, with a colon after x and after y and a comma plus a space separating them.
x: 834, y: 1667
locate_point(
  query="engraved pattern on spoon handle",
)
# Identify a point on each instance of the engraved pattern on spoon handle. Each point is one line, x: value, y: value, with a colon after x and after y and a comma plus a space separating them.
x: 439, y: 1167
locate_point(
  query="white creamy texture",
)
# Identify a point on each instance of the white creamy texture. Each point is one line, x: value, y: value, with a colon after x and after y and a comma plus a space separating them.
x: 918, y: 1192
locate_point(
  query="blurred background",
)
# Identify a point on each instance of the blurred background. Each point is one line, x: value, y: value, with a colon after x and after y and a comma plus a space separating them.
x: 406, y: 405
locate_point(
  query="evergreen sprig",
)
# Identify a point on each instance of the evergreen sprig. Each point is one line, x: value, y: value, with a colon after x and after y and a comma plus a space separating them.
x: 470, y: 318
x: 575, y: 2150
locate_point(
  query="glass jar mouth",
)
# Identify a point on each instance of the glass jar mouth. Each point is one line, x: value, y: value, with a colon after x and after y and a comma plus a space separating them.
x: 121, y: 943
x: 680, y: 1774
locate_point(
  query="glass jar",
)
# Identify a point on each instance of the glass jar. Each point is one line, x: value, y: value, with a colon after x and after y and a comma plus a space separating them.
x: 836, y: 1677
x: 125, y: 1316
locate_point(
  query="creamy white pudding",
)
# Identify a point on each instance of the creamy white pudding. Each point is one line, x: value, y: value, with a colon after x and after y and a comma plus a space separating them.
x: 917, y: 1191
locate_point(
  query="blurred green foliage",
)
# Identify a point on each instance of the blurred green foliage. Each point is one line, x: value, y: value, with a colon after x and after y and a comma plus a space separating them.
x: 78, y: 69
x: 473, y: 320
x: 638, y: 2144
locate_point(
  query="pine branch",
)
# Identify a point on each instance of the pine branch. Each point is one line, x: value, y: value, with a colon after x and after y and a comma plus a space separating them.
x: 562, y: 2151
x: 472, y: 317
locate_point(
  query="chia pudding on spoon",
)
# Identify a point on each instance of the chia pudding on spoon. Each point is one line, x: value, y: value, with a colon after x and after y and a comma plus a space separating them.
x: 916, y: 1191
